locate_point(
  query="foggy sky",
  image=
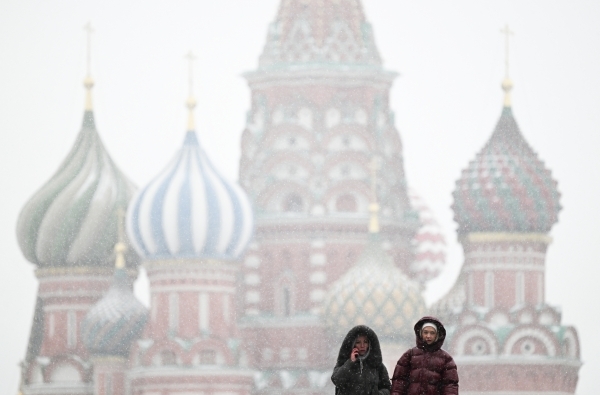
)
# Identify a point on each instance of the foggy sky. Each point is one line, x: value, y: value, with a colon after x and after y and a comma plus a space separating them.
x: 447, y: 99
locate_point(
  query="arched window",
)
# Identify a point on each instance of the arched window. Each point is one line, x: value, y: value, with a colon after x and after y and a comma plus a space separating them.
x: 208, y: 357
x: 285, y: 296
x: 346, y: 204
x: 287, y: 301
x: 293, y: 203
x: 168, y: 358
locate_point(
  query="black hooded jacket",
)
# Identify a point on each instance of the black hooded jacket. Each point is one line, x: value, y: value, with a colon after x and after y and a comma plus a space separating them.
x: 350, y: 378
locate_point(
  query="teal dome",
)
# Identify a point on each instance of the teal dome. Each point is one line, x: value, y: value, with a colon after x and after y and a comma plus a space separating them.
x: 72, y: 219
x: 118, y: 319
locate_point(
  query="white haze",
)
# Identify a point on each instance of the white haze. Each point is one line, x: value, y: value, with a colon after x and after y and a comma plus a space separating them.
x: 447, y: 101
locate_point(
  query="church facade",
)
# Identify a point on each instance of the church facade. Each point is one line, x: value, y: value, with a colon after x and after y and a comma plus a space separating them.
x: 253, y: 285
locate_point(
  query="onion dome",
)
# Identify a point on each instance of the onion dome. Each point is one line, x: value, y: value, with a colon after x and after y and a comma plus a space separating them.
x: 71, y: 220
x: 506, y: 188
x: 429, y: 243
x: 375, y: 293
x: 189, y: 210
x: 112, y: 324
x: 327, y: 33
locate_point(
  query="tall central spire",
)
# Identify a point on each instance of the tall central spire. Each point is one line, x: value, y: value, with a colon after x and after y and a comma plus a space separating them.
x: 320, y: 34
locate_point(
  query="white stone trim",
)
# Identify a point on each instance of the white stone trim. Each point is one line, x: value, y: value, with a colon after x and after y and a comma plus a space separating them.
x: 476, y: 332
x: 317, y: 295
x: 252, y: 261
x: 504, y: 266
x: 252, y: 297
x: 58, y: 389
x: 252, y: 279
x: 318, y: 259
x: 463, y: 360
x: 572, y: 349
x: 319, y: 277
x: 70, y: 294
x: 190, y: 275
x: 177, y: 371
x: 514, y: 337
x: 66, y: 307
x: 191, y: 288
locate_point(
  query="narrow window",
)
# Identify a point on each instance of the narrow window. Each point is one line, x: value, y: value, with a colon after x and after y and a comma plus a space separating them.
x: 470, y: 290
x: 71, y: 329
x: 108, y: 385
x: 540, y: 288
x: 287, y: 302
x: 154, y: 308
x: 204, y: 313
x: 51, y: 325
x: 173, y: 312
x: 489, y: 289
x: 520, y: 288
x: 226, y: 308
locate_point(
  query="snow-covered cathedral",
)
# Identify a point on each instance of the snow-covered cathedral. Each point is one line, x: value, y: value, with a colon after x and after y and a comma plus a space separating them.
x: 252, y: 285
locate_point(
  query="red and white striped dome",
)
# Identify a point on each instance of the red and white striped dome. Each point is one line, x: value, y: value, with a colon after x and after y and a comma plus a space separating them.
x: 429, y: 243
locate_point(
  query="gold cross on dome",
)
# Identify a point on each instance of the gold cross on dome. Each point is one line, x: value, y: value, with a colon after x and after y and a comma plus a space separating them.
x: 191, y: 57
x: 89, y: 30
x: 88, y: 82
x: 191, y: 101
x: 507, y: 33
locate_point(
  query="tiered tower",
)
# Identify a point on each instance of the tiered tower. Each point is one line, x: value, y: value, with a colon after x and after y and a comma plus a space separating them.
x: 376, y: 293
x: 68, y: 230
x: 190, y: 226
x: 503, y: 334
x: 319, y: 113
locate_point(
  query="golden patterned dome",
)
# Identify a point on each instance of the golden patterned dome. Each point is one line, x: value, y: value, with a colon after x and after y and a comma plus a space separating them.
x: 374, y: 293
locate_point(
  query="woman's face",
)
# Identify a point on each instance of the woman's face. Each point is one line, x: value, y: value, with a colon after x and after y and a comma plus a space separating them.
x: 362, y: 345
x: 428, y: 334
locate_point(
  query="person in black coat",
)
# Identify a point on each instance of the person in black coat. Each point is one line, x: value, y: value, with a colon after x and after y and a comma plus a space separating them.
x: 359, y: 369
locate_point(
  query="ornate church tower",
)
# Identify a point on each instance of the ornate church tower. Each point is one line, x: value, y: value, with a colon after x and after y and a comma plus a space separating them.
x: 504, y: 336
x: 68, y: 230
x: 320, y: 112
x: 190, y: 226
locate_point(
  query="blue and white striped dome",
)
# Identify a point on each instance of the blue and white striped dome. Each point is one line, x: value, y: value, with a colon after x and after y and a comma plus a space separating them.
x: 190, y: 211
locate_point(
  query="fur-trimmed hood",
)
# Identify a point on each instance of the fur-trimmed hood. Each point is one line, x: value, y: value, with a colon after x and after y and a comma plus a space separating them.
x: 373, y: 359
